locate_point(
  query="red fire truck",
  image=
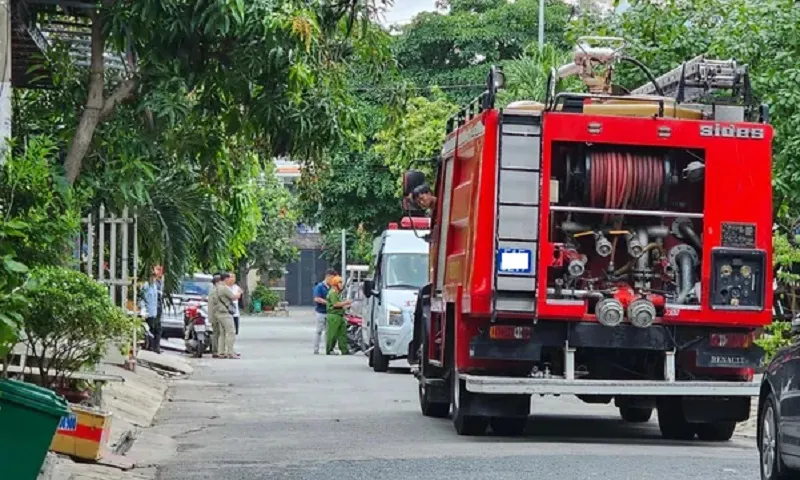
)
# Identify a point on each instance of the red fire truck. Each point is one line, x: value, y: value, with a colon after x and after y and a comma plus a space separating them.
x: 611, y: 245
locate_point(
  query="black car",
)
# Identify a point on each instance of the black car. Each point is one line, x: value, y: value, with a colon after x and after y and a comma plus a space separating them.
x: 779, y: 413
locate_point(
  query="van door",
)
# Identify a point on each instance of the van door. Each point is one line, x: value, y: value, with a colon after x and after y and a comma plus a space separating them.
x: 373, y: 302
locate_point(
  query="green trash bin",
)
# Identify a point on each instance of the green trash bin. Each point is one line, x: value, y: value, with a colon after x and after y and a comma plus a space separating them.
x: 256, y: 306
x: 29, y: 417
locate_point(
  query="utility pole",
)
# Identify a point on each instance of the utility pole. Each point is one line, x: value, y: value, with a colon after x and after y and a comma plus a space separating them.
x: 344, y: 253
x: 5, y: 80
x: 541, y: 25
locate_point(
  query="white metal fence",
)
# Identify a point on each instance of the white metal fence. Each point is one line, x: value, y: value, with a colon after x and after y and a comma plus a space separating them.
x: 108, y: 250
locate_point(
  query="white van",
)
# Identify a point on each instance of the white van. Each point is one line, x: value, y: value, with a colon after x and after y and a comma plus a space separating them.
x: 400, y: 269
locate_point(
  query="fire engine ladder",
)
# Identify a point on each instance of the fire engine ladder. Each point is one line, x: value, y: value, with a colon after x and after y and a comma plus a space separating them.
x: 517, y: 212
x: 697, y: 77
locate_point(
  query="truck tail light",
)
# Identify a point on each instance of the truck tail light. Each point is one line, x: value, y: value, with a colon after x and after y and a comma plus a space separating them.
x: 731, y: 340
x: 509, y: 332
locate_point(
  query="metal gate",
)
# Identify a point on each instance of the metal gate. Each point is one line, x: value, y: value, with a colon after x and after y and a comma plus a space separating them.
x: 108, y: 251
x: 108, y: 245
x: 302, y: 275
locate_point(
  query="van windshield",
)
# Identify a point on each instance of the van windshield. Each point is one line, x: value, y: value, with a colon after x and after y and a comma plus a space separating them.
x: 405, y: 270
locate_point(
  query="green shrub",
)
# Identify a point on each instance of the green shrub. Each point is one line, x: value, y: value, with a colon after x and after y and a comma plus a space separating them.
x: 267, y: 297
x: 775, y: 336
x: 72, y: 317
x: 12, y: 275
x: 784, y: 256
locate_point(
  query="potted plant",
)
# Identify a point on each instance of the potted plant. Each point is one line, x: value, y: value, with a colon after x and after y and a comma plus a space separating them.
x: 264, y: 299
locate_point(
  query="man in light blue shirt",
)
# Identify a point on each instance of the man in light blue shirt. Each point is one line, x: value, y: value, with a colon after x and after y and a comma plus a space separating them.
x: 149, y: 305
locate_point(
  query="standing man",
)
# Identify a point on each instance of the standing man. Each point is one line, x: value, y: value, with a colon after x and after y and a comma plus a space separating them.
x: 159, y: 272
x: 212, y: 298
x: 149, y: 306
x: 237, y: 290
x: 321, y: 306
x: 223, y: 313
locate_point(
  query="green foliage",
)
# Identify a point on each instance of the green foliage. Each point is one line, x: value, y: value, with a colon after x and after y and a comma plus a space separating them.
x: 38, y: 219
x: 12, y: 276
x: 416, y: 138
x: 358, y: 242
x: 776, y: 336
x: 526, y: 77
x: 267, y: 297
x: 357, y: 189
x: 45, y: 211
x: 271, y: 247
x: 785, y: 255
x: 72, y: 317
x: 222, y: 87
x: 458, y: 47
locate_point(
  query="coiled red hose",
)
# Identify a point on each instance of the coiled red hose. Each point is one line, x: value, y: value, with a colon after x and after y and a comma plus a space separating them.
x: 623, y: 180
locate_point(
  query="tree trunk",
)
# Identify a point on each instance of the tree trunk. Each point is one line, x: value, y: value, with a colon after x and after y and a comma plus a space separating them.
x: 97, y: 108
x: 94, y: 104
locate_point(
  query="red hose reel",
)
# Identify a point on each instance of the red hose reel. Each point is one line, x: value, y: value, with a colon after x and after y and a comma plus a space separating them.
x: 624, y: 180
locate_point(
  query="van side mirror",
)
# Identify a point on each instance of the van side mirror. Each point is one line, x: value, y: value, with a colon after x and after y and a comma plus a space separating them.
x: 367, y: 287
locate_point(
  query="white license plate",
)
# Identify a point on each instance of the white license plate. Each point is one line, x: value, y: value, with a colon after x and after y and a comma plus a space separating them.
x: 199, y: 328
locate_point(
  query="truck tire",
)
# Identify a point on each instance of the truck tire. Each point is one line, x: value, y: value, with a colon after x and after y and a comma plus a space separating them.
x: 371, y: 357
x: 715, y: 431
x: 429, y: 408
x: 470, y: 425
x: 672, y: 422
x: 635, y: 414
x: 380, y: 362
x: 508, y: 426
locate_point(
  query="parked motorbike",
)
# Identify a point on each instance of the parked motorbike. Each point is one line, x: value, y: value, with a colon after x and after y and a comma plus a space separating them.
x: 355, y: 342
x: 197, y: 330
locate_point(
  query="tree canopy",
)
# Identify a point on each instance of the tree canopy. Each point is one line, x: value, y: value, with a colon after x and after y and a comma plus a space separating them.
x: 456, y: 48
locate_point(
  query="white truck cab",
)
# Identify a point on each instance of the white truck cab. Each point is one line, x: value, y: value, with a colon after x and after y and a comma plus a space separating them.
x: 400, y: 269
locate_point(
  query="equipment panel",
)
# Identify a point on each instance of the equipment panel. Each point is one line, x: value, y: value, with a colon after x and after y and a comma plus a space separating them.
x: 737, y: 279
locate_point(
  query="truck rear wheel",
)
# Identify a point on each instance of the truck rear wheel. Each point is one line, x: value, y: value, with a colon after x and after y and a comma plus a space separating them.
x: 508, y: 426
x: 716, y: 431
x: 672, y: 422
x: 635, y: 414
x: 428, y: 389
x: 465, y: 424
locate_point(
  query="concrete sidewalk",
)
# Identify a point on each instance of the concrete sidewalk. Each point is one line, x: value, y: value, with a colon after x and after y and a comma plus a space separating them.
x: 133, y: 404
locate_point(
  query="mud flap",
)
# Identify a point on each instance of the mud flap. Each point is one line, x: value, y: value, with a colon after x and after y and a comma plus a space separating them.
x: 716, y: 409
x: 496, y: 405
x: 437, y: 390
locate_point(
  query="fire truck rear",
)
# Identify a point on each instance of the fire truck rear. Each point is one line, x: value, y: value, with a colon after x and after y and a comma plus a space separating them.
x: 613, y: 246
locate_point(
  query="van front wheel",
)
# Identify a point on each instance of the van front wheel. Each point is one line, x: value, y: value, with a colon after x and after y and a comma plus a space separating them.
x: 380, y: 362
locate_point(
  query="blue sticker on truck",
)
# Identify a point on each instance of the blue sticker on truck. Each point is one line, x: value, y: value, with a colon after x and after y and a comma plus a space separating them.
x: 514, y: 260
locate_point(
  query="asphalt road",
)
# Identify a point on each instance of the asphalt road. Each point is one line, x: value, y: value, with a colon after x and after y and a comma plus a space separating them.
x: 281, y: 413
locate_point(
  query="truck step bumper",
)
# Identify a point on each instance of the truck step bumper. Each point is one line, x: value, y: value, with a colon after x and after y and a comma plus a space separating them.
x: 553, y: 386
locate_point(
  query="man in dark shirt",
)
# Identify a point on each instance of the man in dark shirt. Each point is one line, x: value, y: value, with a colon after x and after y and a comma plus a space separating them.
x: 423, y: 197
x: 320, y: 306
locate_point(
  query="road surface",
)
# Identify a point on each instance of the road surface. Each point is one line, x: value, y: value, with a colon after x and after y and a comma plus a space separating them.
x: 281, y: 413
